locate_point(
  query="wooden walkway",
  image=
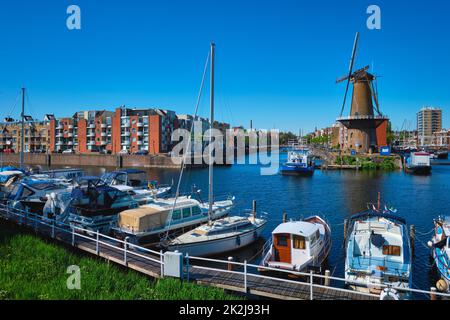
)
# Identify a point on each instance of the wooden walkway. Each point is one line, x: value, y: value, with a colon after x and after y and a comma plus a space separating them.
x: 150, y: 263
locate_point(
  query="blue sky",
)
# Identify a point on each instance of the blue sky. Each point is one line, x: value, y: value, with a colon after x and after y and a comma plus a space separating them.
x: 276, y: 61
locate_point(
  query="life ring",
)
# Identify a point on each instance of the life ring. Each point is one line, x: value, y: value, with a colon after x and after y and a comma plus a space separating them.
x: 389, y: 294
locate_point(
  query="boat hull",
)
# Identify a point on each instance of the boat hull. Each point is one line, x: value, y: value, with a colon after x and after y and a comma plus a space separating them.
x: 419, y: 170
x: 293, y: 170
x: 219, y: 246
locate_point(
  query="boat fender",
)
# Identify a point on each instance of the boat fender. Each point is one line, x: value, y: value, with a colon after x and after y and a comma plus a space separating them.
x: 389, y: 294
x: 238, y: 240
x: 442, y: 285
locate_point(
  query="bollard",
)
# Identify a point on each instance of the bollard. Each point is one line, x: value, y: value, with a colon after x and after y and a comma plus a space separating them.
x: 327, y: 278
x: 187, y: 266
x: 433, y: 293
x: 125, y: 246
x: 230, y: 265
x: 412, y: 236
x: 96, y: 244
x: 254, y: 209
x: 284, y: 217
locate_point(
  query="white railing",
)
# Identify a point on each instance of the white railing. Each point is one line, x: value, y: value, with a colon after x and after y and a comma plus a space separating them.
x: 326, y: 279
x: 99, y: 239
x: 35, y: 221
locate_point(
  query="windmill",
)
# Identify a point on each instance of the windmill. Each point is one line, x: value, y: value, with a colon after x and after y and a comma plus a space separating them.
x: 362, y: 123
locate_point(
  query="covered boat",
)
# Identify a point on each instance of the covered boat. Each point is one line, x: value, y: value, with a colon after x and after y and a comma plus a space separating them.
x: 419, y: 163
x: 146, y: 223
x: 378, y: 252
x: 298, y: 245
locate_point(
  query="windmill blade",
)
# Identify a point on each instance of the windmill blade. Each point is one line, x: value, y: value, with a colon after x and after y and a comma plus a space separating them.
x: 375, y: 98
x: 352, y: 61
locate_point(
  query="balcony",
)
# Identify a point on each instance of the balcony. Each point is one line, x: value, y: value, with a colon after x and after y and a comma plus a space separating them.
x: 126, y: 125
x: 139, y: 143
x: 59, y: 127
x: 90, y: 135
x: 104, y: 134
x: 103, y: 125
x: 59, y: 135
x: 140, y: 124
x: 91, y: 126
x: 125, y: 134
x: 70, y: 126
x: 91, y: 143
x: 140, y: 134
x: 125, y: 143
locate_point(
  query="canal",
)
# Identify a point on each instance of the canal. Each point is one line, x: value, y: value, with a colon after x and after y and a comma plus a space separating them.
x: 335, y: 195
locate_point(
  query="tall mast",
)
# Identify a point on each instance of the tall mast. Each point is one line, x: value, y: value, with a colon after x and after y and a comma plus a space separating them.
x: 211, y: 125
x: 22, y: 134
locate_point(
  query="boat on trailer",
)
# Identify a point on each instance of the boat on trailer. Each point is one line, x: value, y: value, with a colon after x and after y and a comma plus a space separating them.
x: 298, y: 245
x: 440, y: 251
x: 378, y: 253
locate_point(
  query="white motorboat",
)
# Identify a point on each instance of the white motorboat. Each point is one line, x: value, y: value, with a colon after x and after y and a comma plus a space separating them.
x: 224, y: 234
x: 298, y: 245
x: 146, y: 223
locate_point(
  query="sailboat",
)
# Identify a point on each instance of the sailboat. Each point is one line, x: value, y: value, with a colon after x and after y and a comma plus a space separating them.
x: 225, y: 234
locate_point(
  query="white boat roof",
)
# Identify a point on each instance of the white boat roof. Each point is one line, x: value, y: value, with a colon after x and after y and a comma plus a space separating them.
x: 165, y: 204
x: 9, y: 173
x: 301, y: 228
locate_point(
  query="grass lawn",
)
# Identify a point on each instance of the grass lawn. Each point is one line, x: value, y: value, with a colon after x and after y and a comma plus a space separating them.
x: 31, y: 268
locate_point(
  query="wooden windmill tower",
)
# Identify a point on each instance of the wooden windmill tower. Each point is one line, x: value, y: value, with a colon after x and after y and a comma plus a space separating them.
x: 362, y: 123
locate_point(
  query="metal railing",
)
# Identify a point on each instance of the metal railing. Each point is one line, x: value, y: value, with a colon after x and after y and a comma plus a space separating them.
x: 55, y: 227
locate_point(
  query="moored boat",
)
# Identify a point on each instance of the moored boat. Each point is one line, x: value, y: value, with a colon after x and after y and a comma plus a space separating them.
x: 146, y: 223
x: 298, y: 163
x: 378, y: 253
x: 298, y: 245
x: 440, y: 251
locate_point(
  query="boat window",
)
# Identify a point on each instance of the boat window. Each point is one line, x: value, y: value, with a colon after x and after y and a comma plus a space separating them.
x: 27, y: 192
x: 186, y: 212
x: 299, y: 242
x: 176, y: 215
x: 196, y: 211
x: 282, y: 241
x: 391, y: 250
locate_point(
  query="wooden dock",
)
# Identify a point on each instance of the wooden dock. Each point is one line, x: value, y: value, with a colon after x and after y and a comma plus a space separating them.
x: 199, y: 270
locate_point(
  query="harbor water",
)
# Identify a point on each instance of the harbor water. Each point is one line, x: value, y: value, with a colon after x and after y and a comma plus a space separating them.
x: 334, y: 195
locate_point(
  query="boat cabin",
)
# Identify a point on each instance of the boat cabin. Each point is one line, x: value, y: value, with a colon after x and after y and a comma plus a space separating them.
x: 295, y: 244
x: 127, y: 177
x: 420, y: 159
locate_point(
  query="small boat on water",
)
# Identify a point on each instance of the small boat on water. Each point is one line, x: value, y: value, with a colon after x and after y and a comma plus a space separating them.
x: 419, y: 163
x: 298, y: 245
x: 146, y: 223
x: 222, y: 235
x: 442, y: 154
x: 440, y: 251
x: 378, y: 252
x: 298, y: 163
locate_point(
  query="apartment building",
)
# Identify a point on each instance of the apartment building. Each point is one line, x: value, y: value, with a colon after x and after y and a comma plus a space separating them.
x: 429, y: 121
x: 36, y: 135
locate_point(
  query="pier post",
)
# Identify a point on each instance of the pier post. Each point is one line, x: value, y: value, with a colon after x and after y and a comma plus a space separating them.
x: 433, y: 293
x: 412, y: 236
x: 311, y: 296
x: 230, y: 265
x: 284, y: 217
x: 327, y: 278
x: 254, y: 209
x: 96, y: 243
x: 125, y: 247
x: 187, y: 266
x: 161, y: 262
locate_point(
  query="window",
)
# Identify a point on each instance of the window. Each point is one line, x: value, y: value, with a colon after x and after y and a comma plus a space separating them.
x: 186, y: 212
x: 196, y: 211
x: 391, y: 250
x: 299, y: 243
x: 282, y: 241
x: 176, y: 215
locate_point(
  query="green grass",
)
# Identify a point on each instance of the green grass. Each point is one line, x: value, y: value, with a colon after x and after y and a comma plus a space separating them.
x: 31, y: 268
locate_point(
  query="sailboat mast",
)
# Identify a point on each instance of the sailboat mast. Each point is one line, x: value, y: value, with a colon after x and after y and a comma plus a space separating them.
x: 22, y: 134
x: 211, y: 125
